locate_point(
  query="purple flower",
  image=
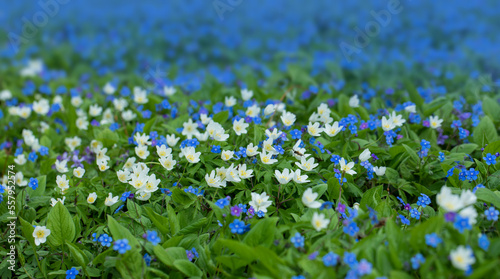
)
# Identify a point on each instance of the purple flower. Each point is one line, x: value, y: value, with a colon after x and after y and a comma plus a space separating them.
x: 236, y: 211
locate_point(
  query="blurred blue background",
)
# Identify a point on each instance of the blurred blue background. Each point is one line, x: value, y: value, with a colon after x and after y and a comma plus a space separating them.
x: 441, y: 37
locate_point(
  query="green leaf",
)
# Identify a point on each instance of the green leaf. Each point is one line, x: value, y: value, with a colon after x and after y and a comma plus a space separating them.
x: 42, y: 181
x: 193, y: 227
x: 173, y: 220
x: 169, y: 255
x: 262, y: 233
x: 413, y: 154
x: 120, y: 232
x: 221, y: 117
x: 27, y: 230
x: 131, y: 265
x: 160, y: 222
x: 107, y: 137
x: 491, y: 108
x: 485, y: 132
x: 60, y: 223
x: 492, y: 148
x: 188, y: 268
x: 486, y: 195
x: 78, y: 255
x: 133, y: 209
x: 467, y: 148
x: 371, y: 198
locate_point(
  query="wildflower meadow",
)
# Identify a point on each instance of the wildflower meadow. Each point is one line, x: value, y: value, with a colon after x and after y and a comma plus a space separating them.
x: 250, y: 139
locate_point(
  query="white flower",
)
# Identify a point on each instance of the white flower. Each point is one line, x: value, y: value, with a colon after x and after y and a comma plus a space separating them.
x: 110, y: 200
x: 252, y: 150
x: 288, y: 118
x: 108, y: 88
x: 449, y: 201
x: 40, y: 234
x: 468, y: 198
x: 169, y: 90
x: 172, y: 140
x: 128, y: 115
x: 53, y: 201
x: 213, y: 180
x: 62, y: 182
x: 274, y: 134
x: 73, y: 142
x: 95, y: 146
x: 142, y: 139
x: 243, y: 172
x: 284, y: 177
x: 232, y: 175
x: 462, y: 257
x: 92, y: 198
x: 205, y: 119
x: 143, y: 195
x: 379, y: 170
x: 435, y: 122
x: 191, y: 155
x: 79, y: 172
x: 319, y: 221
x: 260, y: 202
x: 41, y: 107
x: 142, y: 151
x: 347, y: 168
x: 387, y: 124
x: 253, y: 111
x: 5, y: 95
x: 24, y: 112
x: 266, y: 158
x: 267, y: 146
x: 82, y: 123
x: 270, y: 109
x: 398, y: 120
x: 306, y: 165
x: 20, y: 159
x: 95, y: 110
x: 163, y: 151
x: 61, y: 166
x: 120, y: 104
x: 309, y: 199
x: 220, y: 134
x: 365, y: 155
x: 76, y: 101
x: 230, y: 101
x: 298, y: 178
x: 314, y: 129
x: 103, y: 165
x: 240, y: 127
x: 411, y: 109
x: 33, y: 68
x: 129, y: 163
x: 332, y: 130
x: 168, y: 162
x: 246, y: 94
x: 227, y: 155
x: 140, y: 95
x: 189, y: 128
x: 123, y: 176
x: 152, y: 184
x: 354, y: 101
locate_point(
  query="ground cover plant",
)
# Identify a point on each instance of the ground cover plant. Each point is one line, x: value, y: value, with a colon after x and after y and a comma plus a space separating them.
x: 288, y: 166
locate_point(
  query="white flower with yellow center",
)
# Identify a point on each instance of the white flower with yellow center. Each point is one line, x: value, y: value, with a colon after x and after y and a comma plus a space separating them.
x: 387, y: 124
x: 61, y: 166
x: 240, y: 127
x: 110, y: 200
x: 163, y: 151
x: 462, y: 257
x: 347, y: 168
x: 230, y: 101
x: 288, y: 118
x: 172, y: 140
x: 309, y: 199
x: 142, y: 151
x: 284, y: 176
x: 252, y: 150
x: 191, y: 155
x: 92, y: 198
x: 266, y: 158
x: 298, y: 178
x: 306, y: 165
x: 151, y: 184
x: 244, y: 172
x: 213, y: 180
x: 190, y: 128
x: 253, y: 111
x: 123, y: 176
x: 435, y: 122
x: 314, y: 130
x: 227, y: 155
x: 79, y: 172
x: 333, y: 130
x: 168, y: 162
x: 260, y: 202
x: 40, y: 234
x: 53, y: 201
x: 20, y: 181
x: 319, y: 221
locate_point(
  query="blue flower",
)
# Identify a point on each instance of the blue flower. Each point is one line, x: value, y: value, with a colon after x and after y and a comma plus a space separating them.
x: 152, y: 236
x: 423, y: 200
x: 43, y: 151
x: 105, y: 240
x: 404, y: 220
x: 296, y: 134
x: 215, y: 149
x: 351, y: 229
x: 350, y: 259
x: 432, y: 240
x: 364, y: 267
x: 417, y: 260
x: 330, y: 259
x: 297, y: 240
x: 490, y: 159
x: 238, y: 227
x: 33, y: 183
x: 441, y: 156
x: 32, y: 156
x: 425, y: 144
x: 491, y: 214
x: 125, y: 196
x: 221, y: 203
x: 477, y: 187
x: 483, y: 242
x: 299, y: 277
x: 414, y: 213
x: 71, y: 273
x: 147, y: 259
x: 191, y: 254
x: 462, y: 223
x: 121, y: 246
x: 260, y: 213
